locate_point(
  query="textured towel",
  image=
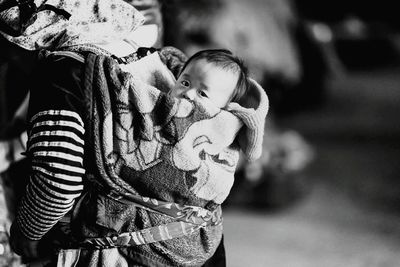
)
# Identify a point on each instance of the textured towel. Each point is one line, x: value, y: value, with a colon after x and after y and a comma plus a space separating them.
x: 149, y: 143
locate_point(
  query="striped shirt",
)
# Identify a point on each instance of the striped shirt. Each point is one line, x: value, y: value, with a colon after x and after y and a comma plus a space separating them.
x: 56, y: 146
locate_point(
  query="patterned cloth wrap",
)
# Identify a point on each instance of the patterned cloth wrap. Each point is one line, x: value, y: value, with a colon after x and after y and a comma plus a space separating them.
x: 51, y: 24
x: 159, y: 160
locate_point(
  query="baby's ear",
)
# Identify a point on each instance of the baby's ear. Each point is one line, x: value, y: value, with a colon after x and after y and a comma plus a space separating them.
x: 252, y: 111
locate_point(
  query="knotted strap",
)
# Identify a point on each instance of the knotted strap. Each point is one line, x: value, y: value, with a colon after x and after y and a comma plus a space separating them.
x: 188, y: 220
x: 185, y: 213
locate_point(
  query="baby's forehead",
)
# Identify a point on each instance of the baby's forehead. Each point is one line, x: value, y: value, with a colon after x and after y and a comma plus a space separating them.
x: 204, y: 62
x: 200, y: 61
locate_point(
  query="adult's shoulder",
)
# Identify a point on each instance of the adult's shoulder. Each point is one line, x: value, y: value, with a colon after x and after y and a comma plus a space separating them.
x: 60, y: 65
x: 57, y: 82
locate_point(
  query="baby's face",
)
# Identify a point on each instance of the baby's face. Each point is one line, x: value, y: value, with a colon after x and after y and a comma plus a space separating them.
x: 204, y: 82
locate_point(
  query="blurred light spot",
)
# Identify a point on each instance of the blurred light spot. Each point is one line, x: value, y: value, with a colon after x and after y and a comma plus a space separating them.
x: 322, y: 32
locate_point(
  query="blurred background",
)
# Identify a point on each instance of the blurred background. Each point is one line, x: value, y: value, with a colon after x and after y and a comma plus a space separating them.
x: 326, y: 191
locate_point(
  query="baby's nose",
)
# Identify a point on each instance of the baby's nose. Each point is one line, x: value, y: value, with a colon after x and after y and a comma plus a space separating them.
x: 189, y: 94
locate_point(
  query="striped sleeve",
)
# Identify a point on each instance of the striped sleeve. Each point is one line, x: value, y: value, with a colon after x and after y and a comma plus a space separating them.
x: 56, y: 146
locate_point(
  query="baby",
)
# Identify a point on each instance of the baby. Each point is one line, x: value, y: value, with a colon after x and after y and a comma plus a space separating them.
x: 214, y: 76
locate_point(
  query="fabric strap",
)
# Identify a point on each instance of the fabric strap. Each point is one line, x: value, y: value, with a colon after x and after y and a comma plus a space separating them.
x: 141, y: 237
x: 185, y: 213
x: 188, y: 220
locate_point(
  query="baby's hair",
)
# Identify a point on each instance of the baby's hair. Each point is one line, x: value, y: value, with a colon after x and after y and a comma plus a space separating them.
x: 226, y: 60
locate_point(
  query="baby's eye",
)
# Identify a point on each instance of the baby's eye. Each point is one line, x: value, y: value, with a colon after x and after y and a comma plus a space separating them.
x: 185, y: 83
x: 203, y: 94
